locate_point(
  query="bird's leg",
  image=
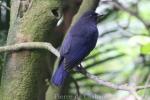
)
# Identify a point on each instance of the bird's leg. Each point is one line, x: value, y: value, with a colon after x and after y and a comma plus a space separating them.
x: 80, y: 68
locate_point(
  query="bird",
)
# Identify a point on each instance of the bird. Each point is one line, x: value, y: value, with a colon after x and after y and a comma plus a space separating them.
x: 77, y: 44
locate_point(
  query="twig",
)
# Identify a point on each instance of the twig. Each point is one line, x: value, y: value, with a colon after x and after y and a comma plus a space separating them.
x: 49, y: 47
x: 142, y: 87
x: 77, y: 88
x: 6, y: 7
x: 146, y: 83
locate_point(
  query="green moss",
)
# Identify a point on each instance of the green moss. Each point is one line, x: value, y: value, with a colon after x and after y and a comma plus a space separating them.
x: 39, y: 19
x: 28, y: 81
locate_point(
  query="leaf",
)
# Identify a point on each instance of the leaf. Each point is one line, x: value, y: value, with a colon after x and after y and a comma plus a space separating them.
x: 143, y: 42
x: 145, y: 49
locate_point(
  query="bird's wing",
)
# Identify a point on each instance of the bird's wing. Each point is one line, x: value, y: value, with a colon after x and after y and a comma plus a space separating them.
x: 79, y: 48
x: 66, y: 45
x: 76, y: 47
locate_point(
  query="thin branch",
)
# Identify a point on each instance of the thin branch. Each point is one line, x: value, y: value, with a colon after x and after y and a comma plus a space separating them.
x: 142, y: 87
x: 146, y: 84
x: 77, y: 87
x: 6, y: 7
x: 49, y: 47
x: 29, y: 46
x: 130, y: 89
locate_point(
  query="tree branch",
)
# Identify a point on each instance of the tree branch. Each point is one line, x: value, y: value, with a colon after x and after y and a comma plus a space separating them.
x: 6, y: 7
x: 77, y: 86
x: 29, y: 46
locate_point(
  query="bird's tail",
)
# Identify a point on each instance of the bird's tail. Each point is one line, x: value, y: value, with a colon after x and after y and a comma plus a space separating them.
x: 59, y: 76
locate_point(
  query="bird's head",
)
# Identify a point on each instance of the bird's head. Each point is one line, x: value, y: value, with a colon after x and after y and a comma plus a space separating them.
x: 90, y: 16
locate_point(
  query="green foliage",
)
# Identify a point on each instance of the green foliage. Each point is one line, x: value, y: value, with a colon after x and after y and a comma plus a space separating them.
x: 143, y: 43
x: 145, y: 49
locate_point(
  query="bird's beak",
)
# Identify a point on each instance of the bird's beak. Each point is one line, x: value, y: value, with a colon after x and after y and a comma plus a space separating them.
x: 100, y: 15
x: 96, y: 14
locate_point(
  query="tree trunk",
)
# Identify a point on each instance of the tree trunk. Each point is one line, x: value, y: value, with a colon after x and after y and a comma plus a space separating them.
x: 25, y: 72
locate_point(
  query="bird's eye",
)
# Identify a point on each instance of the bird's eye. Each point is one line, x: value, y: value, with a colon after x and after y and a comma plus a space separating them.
x: 91, y: 15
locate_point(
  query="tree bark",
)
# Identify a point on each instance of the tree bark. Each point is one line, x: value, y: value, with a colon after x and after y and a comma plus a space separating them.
x: 25, y: 72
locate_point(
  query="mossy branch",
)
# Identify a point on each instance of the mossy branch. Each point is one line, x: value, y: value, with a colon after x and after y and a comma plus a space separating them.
x: 29, y: 46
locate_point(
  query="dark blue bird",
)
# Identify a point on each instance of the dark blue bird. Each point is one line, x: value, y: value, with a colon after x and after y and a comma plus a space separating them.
x: 77, y: 44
